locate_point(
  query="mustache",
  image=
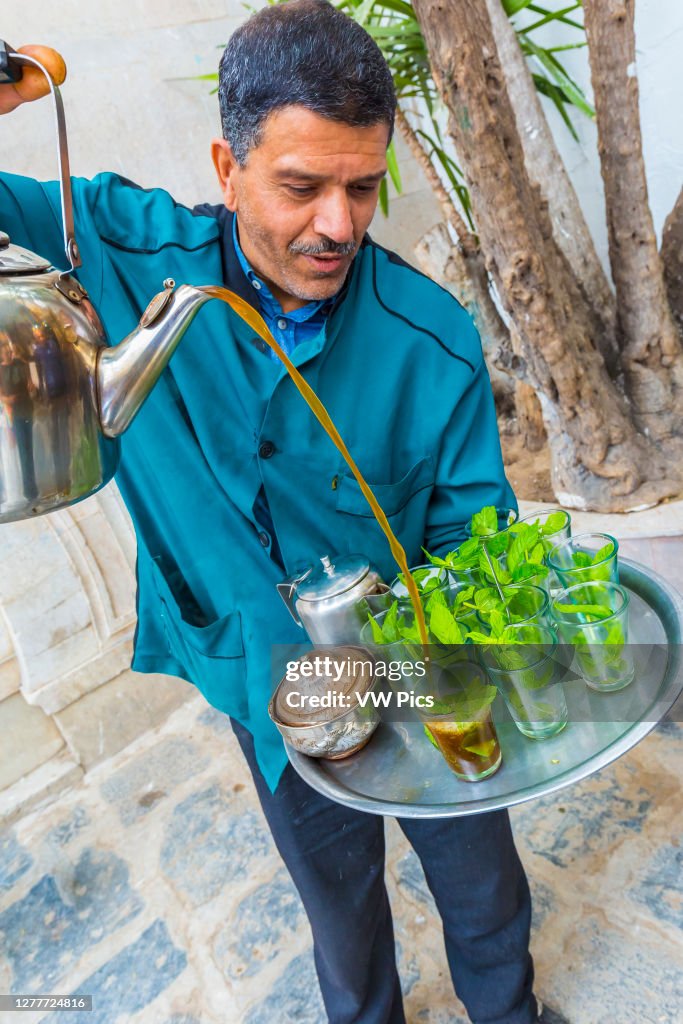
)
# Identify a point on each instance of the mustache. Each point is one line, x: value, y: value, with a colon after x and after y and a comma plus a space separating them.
x: 325, y: 247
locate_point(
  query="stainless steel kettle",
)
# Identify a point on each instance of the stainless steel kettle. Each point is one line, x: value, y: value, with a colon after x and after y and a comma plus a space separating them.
x: 64, y: 394
x: 331, y: 602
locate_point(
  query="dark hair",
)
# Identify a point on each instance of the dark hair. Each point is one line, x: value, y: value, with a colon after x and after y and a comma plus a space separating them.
x: 303, y: 52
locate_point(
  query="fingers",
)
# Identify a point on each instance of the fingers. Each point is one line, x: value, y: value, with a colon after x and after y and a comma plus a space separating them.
x: 33, y: 84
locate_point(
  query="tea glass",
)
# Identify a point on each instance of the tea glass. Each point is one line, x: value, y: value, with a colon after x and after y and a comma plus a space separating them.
x: 601, y: 645
x: 564, y: 559
x: 442, y: 658
x: 398, y: 657
x: 496, y: 546
x: 529, y: 673
x: 470, y: 747
x: 493, y: 542
x: 506, y: 517
x: 449, y: 586
x: 550, y: 540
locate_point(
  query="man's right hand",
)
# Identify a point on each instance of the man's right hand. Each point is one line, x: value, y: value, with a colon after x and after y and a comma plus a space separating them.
x: 33, y: 84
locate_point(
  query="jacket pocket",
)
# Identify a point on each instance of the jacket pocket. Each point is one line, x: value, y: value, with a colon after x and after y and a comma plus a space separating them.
x: 211, y: 654
x: 405, y: 504
x: 393, y: 497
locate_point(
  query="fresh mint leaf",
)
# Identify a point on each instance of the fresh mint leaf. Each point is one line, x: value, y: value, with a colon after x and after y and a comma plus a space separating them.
x: 472, y: 699
x: 443, y: 626
x: 525, y: 541
x: 537, y: 553
x: 521, y: 603
x: 463, y: 596
x: 390, y: 625
x: 603, y: 553
x: 438, y: 597
x: 553, y: 524
x: 599, y: 573
x: 485, y: 522
x: 538, y: 678
x: 529, y: 571
x: 441, y: 563
x: 411, y: 635
x: 502, y: 575
x: 479, y: 638
x: 486, y: 600
x: 498, y: 545
x: 497, y: 621
x: 507, y: 657
x: 433, y: 583
x: 482, y: 749
x: 469, y: 548
x: 600, y: 610
x: 377, y: 634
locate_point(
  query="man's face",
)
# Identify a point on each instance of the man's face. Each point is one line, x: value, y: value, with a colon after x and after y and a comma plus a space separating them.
x: 304, y: 200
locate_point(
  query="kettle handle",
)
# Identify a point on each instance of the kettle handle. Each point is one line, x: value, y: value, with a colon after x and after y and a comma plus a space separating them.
x: 11, y: 64
x: 287, y: 589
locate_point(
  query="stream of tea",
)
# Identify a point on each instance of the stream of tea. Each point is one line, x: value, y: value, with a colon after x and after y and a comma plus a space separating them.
x: 258, y: 324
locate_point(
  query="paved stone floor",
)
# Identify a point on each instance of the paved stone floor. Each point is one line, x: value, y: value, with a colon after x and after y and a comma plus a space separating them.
x: 155, y: 886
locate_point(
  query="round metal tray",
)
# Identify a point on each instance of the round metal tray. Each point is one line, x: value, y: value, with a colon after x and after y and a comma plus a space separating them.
x: 399, y: 772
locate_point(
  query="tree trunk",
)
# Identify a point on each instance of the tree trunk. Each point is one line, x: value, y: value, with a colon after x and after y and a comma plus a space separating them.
x: 529, y: 416
x: 599, y: 461
x: 652, y: 357
x: 672, y: 257
x: 546, y: 169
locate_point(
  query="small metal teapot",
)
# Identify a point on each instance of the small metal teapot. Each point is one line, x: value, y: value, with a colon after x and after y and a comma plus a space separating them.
x: 331, y: 602
x: 64, y: 394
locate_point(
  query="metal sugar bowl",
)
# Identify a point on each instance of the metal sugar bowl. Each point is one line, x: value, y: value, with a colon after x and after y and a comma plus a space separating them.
x: 315, y: 705
x: 332, y: 601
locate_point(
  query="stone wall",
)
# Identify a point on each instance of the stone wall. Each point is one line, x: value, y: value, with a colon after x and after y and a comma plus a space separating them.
x: 68, y: 698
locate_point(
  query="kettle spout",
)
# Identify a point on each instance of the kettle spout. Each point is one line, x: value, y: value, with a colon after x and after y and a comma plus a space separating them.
x: 127, y: 372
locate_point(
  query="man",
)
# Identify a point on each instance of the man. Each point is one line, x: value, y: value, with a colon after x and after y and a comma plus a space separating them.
x: 231, y: 483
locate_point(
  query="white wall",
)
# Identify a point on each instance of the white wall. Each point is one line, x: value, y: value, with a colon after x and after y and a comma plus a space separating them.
x: 127, y: 110
x: 659, y: 41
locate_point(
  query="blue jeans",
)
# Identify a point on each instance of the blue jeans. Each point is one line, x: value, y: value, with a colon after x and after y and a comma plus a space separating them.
x: 335, y: 856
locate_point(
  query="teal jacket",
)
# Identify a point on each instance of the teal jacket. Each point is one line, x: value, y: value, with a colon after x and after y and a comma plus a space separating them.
x: 399, y: 366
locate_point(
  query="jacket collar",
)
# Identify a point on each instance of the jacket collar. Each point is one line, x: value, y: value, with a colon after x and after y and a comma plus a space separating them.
x: 234, y: 277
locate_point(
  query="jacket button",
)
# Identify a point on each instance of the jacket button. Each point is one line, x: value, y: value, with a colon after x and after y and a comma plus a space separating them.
x: 264, y: 538
x: 266, y: 449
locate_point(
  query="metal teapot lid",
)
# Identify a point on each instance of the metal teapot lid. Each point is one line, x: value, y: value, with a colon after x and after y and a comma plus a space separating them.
x: 353, y: 665
x: 15, y: 260
x: 330, y: 579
